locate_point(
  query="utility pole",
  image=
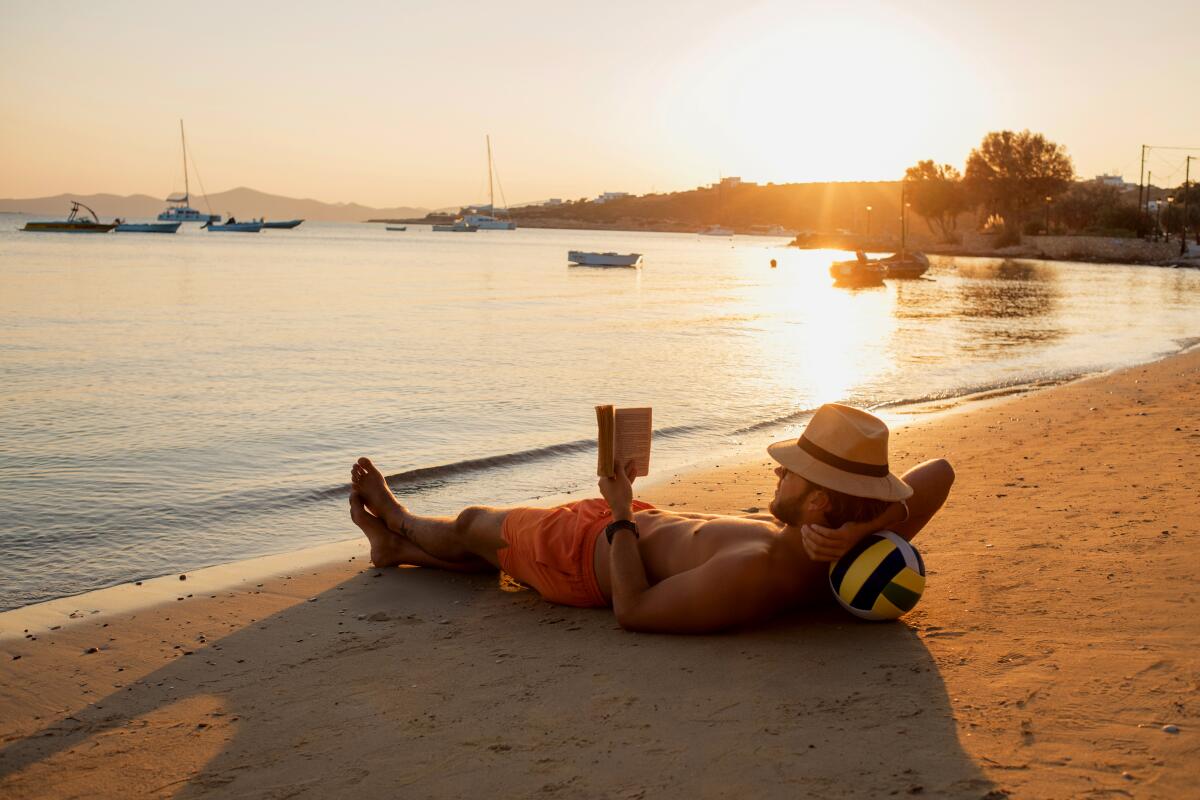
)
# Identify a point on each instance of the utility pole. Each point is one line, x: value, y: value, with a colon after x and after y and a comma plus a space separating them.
x: 1187, y: 175
x: 1141, y: 174
x: 1149, y: 183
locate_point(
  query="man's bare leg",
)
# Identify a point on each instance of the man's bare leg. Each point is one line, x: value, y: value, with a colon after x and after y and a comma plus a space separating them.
x: 390, y: 549
x: 475, y: 532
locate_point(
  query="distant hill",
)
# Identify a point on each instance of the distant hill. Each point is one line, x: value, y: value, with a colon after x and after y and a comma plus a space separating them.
x: 240, y: 202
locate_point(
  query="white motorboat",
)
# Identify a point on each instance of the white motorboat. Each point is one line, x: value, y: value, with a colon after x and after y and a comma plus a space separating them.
x: 180, y: 211
x: 233, y: 226
x: 586, y: 259
x: 716, y: 230
x: 148, y: 227
x: 458, y: 226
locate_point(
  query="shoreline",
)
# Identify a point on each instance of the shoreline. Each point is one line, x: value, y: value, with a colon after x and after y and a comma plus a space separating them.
x: 149, y: 592
x: 1051, y: 648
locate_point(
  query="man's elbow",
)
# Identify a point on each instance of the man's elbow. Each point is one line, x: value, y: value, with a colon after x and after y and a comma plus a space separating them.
x: 945, y: 473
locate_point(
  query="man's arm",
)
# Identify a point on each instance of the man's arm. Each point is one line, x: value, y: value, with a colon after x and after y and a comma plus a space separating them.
x: 723, y: 592
x: 930, y: 481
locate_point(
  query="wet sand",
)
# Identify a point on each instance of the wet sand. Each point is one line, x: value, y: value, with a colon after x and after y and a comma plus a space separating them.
x: 1056, y: 640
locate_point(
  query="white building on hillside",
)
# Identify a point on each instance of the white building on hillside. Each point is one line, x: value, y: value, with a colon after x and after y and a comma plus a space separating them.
x: 604, y: 198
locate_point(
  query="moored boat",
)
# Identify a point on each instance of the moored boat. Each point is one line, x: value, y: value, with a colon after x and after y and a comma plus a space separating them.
x: 858, y: 272
x: 586, y: 259
x: 397, y: 227
x: 458, y: 226
x: 233, y: 226
x: 74, y: 223
x: 147, y: 227
x: 905, y: 265
x: 716, y: 230
x: 286, y: 224
x: 180, y: 211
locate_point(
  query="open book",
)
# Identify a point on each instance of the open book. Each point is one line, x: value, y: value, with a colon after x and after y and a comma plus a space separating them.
x: 624, y: 433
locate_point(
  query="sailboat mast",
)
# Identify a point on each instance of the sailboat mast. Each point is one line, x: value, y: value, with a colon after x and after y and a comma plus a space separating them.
x: 491, y: 197
x: 183, y: 141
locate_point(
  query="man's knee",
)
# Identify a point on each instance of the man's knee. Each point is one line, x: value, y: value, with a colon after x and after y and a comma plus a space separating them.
x: 478, y: 528
x: 469, y: 519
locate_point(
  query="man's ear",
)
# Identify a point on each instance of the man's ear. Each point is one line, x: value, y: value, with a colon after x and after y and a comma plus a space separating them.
x: 817, y: 500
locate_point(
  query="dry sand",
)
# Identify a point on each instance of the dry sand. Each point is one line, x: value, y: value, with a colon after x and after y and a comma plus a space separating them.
x: 1058, y: 636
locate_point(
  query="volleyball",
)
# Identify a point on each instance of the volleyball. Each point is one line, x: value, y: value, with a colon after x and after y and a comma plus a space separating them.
x: 881, y: 577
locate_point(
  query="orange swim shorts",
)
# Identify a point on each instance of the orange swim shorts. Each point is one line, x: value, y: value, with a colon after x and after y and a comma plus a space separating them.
x: 553, y: 550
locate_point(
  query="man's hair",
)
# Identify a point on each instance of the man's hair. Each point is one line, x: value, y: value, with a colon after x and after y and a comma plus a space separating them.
x: 845, y: 508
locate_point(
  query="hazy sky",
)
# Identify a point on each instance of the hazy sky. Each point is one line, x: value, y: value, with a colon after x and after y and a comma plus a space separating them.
x: 387, y: 103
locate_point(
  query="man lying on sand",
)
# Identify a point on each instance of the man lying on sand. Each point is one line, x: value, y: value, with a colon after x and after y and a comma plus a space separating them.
x: 676, y: 572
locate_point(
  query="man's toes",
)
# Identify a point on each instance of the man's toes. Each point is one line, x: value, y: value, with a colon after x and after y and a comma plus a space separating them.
x: 368, y: 467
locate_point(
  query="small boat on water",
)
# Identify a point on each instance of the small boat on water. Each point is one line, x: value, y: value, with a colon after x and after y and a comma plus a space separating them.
x: 905, y: 264
x: 233, y: 226
x: 147, y: 227
x: 458, y: 226
x: 286, y: 224
x: 717, y: 230
x: 397, y: 227
x: 585, y: 259
x: 76, y: 222
x: 856, y: 273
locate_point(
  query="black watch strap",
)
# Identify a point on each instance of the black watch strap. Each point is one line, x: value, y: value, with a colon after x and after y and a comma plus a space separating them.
x: 620, y: 525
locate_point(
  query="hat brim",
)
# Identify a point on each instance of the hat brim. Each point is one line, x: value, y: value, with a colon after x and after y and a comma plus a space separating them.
x: 887, y: 487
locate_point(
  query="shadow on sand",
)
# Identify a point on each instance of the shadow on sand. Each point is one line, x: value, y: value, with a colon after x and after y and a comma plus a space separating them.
x: 419, y: 683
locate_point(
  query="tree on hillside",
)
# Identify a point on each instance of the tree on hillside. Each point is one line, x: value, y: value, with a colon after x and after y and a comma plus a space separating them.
x: 936, y: 193
x: 1011, y: 174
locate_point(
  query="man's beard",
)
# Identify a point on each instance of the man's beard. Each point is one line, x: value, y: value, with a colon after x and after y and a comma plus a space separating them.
x: 789, y: 512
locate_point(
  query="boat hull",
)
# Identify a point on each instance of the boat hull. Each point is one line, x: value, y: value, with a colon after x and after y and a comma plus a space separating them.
x: 905, y: 266
x: 68, y: 227
x: 397, y: 227
x: 855, y: 274
x: 283, y: 224
x: 455, y: 228
x: 584, y: 259
x: 148, y: 227
x: 236, y: 227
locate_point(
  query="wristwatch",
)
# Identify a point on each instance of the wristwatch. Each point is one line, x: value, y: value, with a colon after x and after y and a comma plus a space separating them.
x: 620, y: 525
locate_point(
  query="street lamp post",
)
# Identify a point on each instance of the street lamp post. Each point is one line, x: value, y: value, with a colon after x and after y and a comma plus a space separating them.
x: 1049, y: 200
x: 868, y: 222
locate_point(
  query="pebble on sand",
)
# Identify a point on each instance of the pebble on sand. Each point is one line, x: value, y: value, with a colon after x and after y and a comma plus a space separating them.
x: 1170, y: 729
x: 183, y: 577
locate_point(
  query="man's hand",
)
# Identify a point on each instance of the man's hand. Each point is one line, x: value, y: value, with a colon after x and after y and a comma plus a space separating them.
x: 618, y: 490
x: 828, y: 544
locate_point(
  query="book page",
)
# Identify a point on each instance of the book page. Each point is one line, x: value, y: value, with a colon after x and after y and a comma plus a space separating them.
x: 634, y: 429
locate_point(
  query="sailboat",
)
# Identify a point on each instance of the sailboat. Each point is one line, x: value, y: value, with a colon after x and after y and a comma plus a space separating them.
x: 181, y: 211
x: 488, y: 222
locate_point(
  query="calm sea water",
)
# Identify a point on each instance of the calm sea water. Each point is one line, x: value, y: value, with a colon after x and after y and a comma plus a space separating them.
x: 170, y: 402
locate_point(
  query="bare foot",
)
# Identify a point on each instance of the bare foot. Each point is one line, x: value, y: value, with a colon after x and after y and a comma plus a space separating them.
x: 386, y: 549
x: 369, y: 482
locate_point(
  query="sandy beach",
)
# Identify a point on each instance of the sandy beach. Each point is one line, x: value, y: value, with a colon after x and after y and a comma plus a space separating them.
x: 1053, y: 655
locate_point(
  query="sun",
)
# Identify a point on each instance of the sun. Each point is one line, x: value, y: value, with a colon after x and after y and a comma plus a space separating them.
x: 832, y: 94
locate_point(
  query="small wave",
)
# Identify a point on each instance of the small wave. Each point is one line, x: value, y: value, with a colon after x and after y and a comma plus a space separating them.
x: 420, y: 475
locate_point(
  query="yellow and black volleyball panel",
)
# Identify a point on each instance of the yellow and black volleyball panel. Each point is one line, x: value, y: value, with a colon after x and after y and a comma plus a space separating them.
x: 881, y: 577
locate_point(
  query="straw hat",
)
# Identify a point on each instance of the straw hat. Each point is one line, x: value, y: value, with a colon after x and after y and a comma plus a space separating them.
x: 843, y: 449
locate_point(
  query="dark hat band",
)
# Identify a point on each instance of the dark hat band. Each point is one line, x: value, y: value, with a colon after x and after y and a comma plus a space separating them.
x: 845, y: 465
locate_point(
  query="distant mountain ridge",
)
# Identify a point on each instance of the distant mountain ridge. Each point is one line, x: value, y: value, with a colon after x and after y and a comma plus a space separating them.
x: 241, y: 202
